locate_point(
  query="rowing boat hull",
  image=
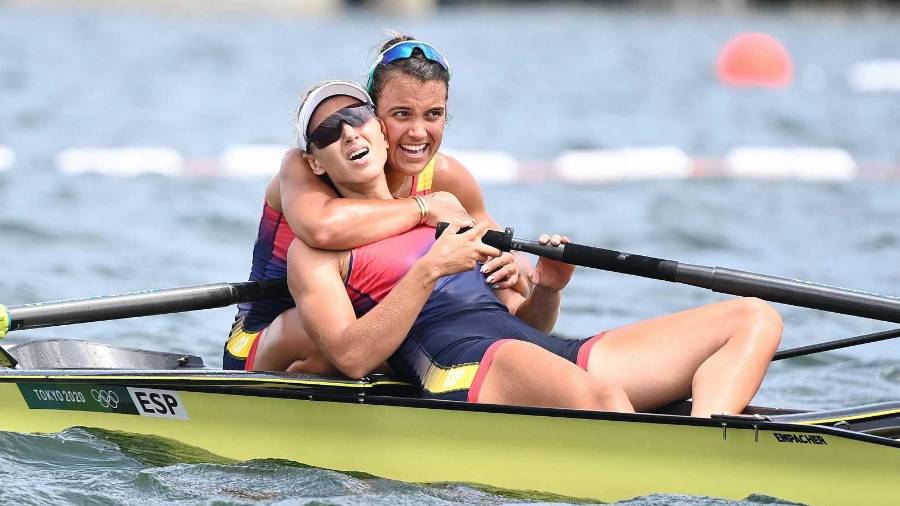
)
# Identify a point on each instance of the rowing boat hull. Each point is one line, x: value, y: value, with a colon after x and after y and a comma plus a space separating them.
x: 350, y: 426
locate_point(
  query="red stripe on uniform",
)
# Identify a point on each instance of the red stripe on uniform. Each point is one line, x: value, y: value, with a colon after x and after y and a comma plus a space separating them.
x: 284, y: 236
x: 584, y: 353
x: 251, y: 356
x: 483, y: 367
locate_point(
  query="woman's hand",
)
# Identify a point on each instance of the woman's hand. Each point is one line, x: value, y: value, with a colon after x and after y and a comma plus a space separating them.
x: 502, y: 272
x: 552, y: 274
x: 453, y: 253
x: 444, y: 206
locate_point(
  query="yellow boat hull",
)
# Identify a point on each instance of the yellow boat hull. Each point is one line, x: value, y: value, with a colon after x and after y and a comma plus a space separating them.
x: 347, y: 426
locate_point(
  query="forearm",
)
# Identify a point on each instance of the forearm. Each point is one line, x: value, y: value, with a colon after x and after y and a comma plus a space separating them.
x: 523, y: 284
x: 453, y: 177
x: 343, y: 224
x: 369, y: 341
x: 541, y: 308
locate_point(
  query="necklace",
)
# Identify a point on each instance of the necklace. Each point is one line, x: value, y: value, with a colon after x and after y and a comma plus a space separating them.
x: 400, y: 189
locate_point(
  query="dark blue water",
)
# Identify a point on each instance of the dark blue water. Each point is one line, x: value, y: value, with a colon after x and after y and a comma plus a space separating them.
x: 533, y: 82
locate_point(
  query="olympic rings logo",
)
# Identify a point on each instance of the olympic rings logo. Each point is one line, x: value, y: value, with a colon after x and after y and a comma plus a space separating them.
x: 106, y: 398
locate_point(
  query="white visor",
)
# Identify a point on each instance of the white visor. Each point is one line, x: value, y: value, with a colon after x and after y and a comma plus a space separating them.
x: 319, y: 95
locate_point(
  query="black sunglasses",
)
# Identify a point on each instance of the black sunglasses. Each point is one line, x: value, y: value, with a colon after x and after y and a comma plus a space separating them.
x: 330, y: 130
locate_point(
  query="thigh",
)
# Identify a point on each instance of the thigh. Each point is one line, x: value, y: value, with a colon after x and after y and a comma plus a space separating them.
x: 522, y: 373
x: 655, y: 360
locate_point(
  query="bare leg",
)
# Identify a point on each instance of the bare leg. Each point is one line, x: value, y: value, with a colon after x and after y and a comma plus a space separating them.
x: 717, y: 354
x: 285, y: 346
x: 524, y: 374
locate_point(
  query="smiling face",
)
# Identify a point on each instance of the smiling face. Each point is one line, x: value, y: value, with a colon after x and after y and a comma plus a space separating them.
x: 414, y: 114
x: 355, y: 162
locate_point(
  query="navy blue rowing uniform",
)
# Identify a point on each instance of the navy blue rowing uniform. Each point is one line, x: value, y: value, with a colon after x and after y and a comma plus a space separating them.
x: 449, y: 349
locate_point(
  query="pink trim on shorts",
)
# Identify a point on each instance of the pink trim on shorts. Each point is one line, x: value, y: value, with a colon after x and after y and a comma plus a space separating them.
x: 251, y: 356
x: 483, y: 366
x: 584, y: 352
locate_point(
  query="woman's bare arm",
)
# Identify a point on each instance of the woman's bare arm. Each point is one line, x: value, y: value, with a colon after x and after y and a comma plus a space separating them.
x: 509, y: 270
x: 323, y: 220
x: 354, y: 346
x: 357, y: 346
x: 541, y: 308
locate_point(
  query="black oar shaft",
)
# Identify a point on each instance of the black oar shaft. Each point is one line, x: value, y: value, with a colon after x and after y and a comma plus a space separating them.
x: 599, y: 258
x: 152, y: 302
x: 585, y: 256
x: 717, y: 279
x: 837, y: 344
x: 791, y: 291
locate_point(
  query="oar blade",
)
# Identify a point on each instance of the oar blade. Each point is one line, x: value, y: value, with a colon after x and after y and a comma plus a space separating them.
x: 7, y: 360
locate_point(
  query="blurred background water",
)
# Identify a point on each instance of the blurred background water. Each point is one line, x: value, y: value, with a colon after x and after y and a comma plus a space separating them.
x: 532, y: 81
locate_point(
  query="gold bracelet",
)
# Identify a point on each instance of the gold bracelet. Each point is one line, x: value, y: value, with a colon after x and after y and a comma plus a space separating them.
x: 423, y: 209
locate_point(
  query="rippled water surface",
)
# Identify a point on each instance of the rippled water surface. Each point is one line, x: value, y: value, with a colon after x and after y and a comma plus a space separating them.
x: 89, y: 78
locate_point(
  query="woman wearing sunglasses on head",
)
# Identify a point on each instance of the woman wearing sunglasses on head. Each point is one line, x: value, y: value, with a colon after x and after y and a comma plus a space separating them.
x: 421, y: 305
x: 410, y: 81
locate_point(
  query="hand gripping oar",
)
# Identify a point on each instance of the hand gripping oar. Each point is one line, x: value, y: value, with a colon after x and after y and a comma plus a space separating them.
x: 128, y: 305
x: 717, y: 279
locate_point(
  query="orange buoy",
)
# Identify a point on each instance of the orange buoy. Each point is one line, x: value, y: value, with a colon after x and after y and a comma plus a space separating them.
x: 754, y: 59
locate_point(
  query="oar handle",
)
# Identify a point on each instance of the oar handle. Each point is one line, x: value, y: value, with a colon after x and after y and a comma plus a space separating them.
x: 577, y: 254
x: 617, y: 261
x: 599, y: 258
x: 144, y: 303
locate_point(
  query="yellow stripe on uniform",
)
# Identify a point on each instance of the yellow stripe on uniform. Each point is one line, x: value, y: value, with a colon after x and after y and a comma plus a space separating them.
x: 439, y: 380
x: 240, y: 341
x: 425, y: 178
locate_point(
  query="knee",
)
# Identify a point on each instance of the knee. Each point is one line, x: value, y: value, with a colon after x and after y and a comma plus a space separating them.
x: 760, y: 315
x: 317, y: 363
x: 610, y: 398
x: 313, y: 364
